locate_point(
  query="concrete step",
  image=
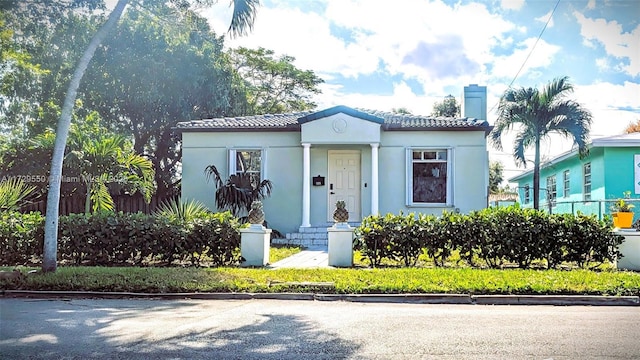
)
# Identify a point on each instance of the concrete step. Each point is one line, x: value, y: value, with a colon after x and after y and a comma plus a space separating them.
x: 309, y: 236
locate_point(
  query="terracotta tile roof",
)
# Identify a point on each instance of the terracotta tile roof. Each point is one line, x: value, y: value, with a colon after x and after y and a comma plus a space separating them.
x: 292, y: 121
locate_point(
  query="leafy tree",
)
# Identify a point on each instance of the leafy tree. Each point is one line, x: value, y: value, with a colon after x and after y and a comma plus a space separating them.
x: 273, y: 84
x: 537, y: 114
x: 140, y: 83
x: 34, y: 84
x: 243, y: 16
x: 633, y: 127
x: 238, y: 192
x: 401, y: 110
x: 496, y: 170
x: 449, y: 107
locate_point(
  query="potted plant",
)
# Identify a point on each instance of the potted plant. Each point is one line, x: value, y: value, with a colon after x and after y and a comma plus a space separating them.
x: 622, y: 213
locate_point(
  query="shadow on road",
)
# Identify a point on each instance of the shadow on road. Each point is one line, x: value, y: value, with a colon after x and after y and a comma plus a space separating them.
x: 112, y: 329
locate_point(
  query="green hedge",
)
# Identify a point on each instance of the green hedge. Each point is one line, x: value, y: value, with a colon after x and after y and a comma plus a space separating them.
x: 490, y: 237
x: 112, y: 239
x: 21, y: 237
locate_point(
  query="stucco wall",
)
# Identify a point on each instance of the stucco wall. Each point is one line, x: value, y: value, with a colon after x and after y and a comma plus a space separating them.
x: 284, y: 169
x: 619, y: 171
x: 284, y: 162
x: 469, y: 172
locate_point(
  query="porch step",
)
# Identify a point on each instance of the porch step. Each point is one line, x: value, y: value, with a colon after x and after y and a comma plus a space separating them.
x: 313, y: 236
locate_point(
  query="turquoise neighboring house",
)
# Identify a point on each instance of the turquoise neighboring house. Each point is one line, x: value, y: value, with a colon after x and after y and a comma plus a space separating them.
x: 569, y: 184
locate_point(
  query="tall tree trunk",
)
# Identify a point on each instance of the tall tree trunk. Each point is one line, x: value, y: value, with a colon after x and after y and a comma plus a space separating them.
x: 87, y: 199
x: 49, y: 261
x: 536, y: 176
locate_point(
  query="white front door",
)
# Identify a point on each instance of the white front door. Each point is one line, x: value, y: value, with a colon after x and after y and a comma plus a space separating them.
x: 344, y: 182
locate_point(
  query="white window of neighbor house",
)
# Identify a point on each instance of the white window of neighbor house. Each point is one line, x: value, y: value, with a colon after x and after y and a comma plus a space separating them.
x: 551, y: 190
x: 429, y: 177
x: 586, y: 171
x: 567, y: 184
x: 250, y: 161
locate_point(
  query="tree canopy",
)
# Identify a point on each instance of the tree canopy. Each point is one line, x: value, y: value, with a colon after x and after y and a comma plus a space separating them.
x: 449, y: 107
x: 273, y: 84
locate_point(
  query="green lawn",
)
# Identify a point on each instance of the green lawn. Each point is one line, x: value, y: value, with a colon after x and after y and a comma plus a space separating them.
x: 358, y: 280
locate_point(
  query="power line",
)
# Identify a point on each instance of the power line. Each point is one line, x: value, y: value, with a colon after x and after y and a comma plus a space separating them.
x: 531, y: 51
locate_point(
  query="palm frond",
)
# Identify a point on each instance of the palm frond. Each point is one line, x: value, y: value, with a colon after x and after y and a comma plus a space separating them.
x: 13, y: 193
x: 556, y: 90
x: 177, y: 210
x: 244, y: 15
x: 137, y: 171
x: 238, y: 191
x: 101, y: 199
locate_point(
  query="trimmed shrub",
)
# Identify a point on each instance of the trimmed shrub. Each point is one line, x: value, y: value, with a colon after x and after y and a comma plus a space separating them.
x: 498, y: 236
x: 21, y: 237
x: 373, y: 238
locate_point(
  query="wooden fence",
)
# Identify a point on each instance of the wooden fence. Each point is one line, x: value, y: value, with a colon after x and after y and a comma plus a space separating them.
x: 124, y: 203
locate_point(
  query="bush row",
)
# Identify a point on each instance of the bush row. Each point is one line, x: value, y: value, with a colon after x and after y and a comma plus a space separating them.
x: 121, y: 238
x: 495, y: 236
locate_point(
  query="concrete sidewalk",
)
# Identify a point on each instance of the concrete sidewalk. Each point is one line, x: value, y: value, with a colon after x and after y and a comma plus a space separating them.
x: 312, y: 257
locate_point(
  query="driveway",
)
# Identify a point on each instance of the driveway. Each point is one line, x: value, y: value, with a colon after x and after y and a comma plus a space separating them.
x: 281, y: 329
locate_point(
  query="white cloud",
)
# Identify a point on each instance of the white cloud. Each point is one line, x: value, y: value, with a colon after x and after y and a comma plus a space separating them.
x: 616, y: 42
x: 383, y: 32
x: 591, y: 5
x: 542, y: 56
x: 612, y: 105
x: 402, y: 96
x: 512, y: 4
x: 545, y: 18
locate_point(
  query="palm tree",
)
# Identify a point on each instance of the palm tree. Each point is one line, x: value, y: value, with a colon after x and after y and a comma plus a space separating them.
x: 242, y: 20
x: 536, y: 114
x: 239, y: 191
x: 110, y: 159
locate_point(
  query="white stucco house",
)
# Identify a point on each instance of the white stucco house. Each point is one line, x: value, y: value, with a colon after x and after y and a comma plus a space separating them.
x: 377, y: 162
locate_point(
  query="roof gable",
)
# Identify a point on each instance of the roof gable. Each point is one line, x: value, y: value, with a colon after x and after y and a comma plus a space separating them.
x: 340, y: 109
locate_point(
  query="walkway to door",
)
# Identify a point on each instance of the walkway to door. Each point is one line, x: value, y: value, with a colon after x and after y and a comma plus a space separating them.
x: 311, y: 257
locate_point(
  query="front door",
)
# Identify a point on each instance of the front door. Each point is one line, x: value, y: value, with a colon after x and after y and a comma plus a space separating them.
x: 344, y: 182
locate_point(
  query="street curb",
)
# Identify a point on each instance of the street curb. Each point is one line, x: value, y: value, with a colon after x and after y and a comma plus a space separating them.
x: 398, y: 298
x: 556, y: 300
x: 166, y: 296
x: 561, y: 300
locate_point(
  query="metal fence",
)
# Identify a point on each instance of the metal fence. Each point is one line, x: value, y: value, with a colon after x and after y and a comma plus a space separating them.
x: 592, y: 207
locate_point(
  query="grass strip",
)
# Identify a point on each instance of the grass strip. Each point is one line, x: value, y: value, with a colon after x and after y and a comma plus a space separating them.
x: 344, y: 281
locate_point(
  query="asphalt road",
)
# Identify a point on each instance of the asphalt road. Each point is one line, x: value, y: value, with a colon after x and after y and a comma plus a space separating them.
x: 280, y: 329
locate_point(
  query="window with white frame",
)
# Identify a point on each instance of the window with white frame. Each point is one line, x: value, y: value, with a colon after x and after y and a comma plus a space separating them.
x: 527, y: 194
x: 551, y: 189
x: 429, y: 176
x: 567, y: 183
x: 249, y: 161
x: 586, y: 171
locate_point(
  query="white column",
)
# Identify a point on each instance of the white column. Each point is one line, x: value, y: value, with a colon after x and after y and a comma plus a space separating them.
x: 374, y: 178
x: 306, y: 185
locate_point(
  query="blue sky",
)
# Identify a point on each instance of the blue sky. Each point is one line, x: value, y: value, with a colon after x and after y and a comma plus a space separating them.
x: 382, y: 54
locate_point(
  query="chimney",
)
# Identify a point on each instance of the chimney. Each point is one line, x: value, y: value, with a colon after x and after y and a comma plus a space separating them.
x: 474, y: 104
